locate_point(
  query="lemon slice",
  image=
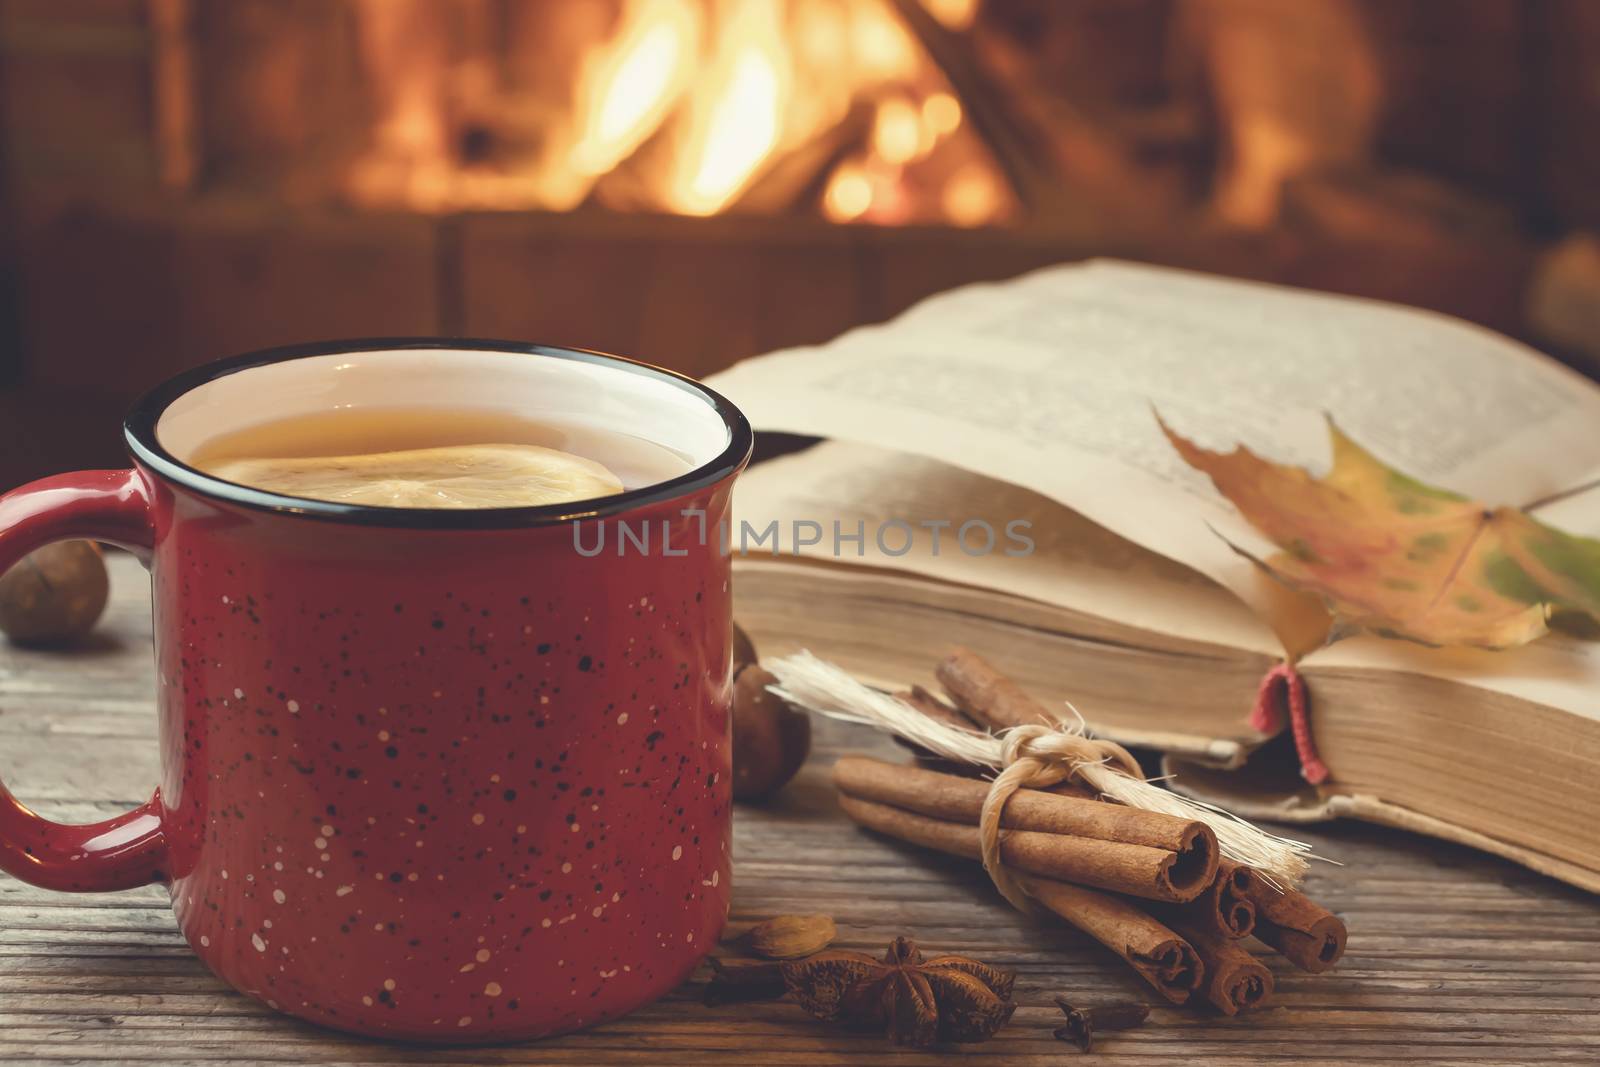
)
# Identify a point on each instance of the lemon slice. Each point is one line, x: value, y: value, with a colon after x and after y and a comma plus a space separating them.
x: 461, y: 476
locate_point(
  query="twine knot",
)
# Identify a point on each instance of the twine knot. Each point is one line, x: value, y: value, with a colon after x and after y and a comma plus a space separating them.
x: 1038, y: 757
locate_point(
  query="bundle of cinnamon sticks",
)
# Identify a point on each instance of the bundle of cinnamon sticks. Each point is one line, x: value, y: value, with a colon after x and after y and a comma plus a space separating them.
x: 1149, y: 886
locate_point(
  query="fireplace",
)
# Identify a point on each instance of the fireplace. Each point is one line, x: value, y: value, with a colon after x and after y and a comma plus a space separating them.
x: 695, y: 181
x: 778, y: 107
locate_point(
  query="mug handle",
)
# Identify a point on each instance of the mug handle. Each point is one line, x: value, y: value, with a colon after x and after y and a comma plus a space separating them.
x: 129, y: 850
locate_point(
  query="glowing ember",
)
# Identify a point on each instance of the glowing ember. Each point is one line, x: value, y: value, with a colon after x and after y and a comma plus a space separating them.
x: 973, y: 196
x: 849, y: 194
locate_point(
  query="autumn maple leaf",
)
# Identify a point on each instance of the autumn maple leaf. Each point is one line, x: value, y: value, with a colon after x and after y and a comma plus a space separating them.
x: 1398, y: 557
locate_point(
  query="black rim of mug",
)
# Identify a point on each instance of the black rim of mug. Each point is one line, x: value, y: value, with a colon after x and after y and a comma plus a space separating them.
x: 139, y: 429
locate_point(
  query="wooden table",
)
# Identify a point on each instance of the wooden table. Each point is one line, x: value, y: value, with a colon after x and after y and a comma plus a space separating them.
x: 1454, y: 958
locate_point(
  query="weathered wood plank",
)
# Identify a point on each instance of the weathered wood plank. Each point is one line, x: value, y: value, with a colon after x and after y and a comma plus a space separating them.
x: 1454, y: 958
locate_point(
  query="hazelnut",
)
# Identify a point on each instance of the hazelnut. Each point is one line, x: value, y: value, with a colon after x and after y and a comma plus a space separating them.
x: 791, y: 937
x: 54, y: 595
x: 744, y: 650
x: 771, y: 739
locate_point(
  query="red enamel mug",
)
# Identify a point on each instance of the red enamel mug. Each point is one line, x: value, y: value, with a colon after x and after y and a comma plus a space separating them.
x: 448, y: 775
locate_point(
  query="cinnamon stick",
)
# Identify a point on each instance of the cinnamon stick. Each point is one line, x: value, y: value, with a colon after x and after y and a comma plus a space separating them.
x: 1160, y: 956
x: 1223, y: 908
x: 1136, y: 870
x: 936, y: 709
x: 992, y: 700
x: 1073, y: 788
x: 1308, y: 935
x: 1235, y: 981
x: 987, y: 695
x: 1186, y: 867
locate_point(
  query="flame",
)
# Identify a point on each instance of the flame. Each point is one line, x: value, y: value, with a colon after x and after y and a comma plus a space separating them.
x: 941, y: 112
x: 630, y: 86
x: 897, y: 131
x: 884, y: 49
x: 683, y: 106
x: 736, y: 112
x: 954, y: 14
x: 821, y: 32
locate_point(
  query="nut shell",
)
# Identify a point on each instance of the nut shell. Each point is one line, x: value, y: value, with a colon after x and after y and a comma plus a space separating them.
x: 55, y: 594
x: 770, y: 739
x: 790, y: 937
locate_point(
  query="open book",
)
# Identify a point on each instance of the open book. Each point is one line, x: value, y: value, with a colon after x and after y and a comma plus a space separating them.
x: 993, y: 476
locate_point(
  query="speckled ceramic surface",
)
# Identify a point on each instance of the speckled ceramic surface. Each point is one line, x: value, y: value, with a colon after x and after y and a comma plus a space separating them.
x: 441, y: 784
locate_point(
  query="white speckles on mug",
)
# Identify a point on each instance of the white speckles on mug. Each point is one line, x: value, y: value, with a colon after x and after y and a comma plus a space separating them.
x: 485, y: 777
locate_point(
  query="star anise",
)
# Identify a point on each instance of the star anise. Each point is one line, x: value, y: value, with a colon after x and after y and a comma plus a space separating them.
x: 916, y: 1001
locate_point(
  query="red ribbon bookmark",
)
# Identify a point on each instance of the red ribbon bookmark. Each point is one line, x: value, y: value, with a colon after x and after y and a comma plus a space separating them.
x: 1283, y: 687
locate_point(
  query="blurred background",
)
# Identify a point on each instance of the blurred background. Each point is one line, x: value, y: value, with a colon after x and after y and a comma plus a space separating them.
x: 696, y: 181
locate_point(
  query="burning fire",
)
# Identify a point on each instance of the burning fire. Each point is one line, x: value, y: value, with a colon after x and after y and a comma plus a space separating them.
x: 735, y: 114
x: 629, y: 87
x: 691, y: 107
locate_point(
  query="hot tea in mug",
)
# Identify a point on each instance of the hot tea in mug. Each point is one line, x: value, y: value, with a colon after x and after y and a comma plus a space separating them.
x: 438, y: 457
x: 428, y: 771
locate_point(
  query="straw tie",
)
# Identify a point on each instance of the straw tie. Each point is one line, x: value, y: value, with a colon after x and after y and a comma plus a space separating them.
x: 1037, y: 757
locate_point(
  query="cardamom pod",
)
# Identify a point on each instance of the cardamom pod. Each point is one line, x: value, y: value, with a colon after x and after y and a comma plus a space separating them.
x: 789, y: 937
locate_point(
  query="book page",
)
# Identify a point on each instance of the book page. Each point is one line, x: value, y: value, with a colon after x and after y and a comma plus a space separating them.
x: 1558, y: 670
x: 1050, y: 381
x: 878, y: 508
